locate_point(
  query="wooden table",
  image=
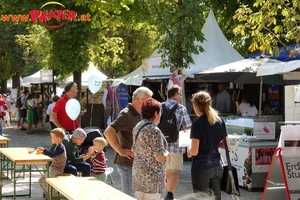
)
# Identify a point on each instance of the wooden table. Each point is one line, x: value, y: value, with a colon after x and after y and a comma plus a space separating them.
x: 82, y: 188
x: 29, y: 162
x: 4, y: 141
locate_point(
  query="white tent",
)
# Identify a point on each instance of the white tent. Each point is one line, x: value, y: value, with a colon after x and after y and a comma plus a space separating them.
x: 218, y: 51
x: 33, y: 78
x: 242, y: 71
x: 280, y: 68
x: 40, y: 76
x: 92, y: 70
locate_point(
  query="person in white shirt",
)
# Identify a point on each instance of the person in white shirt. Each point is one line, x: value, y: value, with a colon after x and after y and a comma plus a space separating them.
x: 223, y: 100
x: 177, y: 79
x: 55, y: 98
x: 108, y: 101
x: 247, y: 108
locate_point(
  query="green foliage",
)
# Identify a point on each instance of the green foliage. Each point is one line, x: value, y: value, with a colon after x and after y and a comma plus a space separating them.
x: 11, y: 53
x: 36, y: 48
x: 63, y: 49
x: 123, y: 36
x: 270, y: 24
x: 69, y: 43
x: 107, y: 46
x: 180, y: 22
x: 123, y: 32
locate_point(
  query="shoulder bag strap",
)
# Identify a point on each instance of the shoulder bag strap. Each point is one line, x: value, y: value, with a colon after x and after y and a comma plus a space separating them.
x: 174, y: 108
x: 225, y: 145
x: 228, y: 158
x: 140, y: 130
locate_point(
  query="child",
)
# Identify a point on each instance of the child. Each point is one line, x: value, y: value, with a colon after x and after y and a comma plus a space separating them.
x: 59, y: 156
x: 99, y: 161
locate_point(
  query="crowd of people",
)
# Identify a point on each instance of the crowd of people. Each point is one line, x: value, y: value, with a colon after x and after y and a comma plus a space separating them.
x: 25, y: 108
x: 147, y: 163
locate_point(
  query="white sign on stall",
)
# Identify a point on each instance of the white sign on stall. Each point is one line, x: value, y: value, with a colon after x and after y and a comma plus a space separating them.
x: 290, y: 143
x: 264, y: 130
x: 46, y: 76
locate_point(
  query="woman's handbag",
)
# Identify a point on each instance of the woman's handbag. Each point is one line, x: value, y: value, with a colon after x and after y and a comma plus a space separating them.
x: 229, y: 183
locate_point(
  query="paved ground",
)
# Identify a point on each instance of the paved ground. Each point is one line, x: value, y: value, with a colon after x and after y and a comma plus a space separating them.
x: 41, y: 138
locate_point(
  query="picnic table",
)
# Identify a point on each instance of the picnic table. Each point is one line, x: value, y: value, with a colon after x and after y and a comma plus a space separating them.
x: 4, y: 141
x: 19, y: 160
x: 82, y: 188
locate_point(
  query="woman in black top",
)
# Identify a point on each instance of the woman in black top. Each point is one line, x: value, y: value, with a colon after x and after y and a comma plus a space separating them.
x: 206, y: 135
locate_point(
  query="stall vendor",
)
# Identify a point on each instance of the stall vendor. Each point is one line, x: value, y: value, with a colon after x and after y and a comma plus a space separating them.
x: 247, y: 108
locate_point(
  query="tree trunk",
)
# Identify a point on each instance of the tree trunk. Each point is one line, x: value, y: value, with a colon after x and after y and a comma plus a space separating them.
x: 4, y: 87
x: 16, y: 84
x: 77, y: 79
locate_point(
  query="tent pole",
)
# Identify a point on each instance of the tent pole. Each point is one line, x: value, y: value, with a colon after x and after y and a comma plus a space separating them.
x: 260, y: 96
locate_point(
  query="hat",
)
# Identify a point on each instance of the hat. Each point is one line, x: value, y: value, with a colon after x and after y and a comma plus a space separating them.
x: 108, y: 80
x: 79, y: 133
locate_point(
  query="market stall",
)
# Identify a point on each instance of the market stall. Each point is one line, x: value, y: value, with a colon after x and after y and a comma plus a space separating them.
x: 252, y: 157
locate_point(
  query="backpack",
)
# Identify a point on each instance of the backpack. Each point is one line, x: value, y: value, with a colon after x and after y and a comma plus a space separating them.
x: 168, y: 123
x: 19, y: 102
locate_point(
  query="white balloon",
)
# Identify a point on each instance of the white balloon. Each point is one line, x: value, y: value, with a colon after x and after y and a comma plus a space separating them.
x: 72, y: 108
x: 94, y: 83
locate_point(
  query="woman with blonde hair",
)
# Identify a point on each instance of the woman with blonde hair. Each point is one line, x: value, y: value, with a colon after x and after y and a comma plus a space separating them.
x: 206, y: 134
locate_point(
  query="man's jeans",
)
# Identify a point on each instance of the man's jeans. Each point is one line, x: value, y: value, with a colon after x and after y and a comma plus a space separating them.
x: 83, y: 167
x: 126, y: 179
x: 208, y: 179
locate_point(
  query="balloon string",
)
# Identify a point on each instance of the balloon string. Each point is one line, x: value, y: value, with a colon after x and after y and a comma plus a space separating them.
x: 92, y: 109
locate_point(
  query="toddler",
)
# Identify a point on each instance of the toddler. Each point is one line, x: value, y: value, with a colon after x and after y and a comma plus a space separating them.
x: 98, y: 160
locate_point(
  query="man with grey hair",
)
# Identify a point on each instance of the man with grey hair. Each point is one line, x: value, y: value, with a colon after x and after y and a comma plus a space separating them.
x: 119, y: 136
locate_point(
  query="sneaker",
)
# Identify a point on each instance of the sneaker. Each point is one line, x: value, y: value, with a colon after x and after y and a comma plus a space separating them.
x: 23, y: 128
x: 169, y: 197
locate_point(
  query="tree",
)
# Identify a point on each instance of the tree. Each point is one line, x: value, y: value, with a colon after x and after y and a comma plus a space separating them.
x: 11, y: 55
x: 19, y: 55
x: 122, y: 35
x: 270, y: 24
x: 37, y: 47
x: 69, y: 52
x: 180, y: 22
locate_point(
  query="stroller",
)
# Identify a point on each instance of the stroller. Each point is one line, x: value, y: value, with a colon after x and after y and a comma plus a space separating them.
x: 92, y: 132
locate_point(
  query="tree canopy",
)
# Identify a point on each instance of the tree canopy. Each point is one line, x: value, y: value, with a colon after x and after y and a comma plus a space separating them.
x: 116, y: 35
x: 269, y: 24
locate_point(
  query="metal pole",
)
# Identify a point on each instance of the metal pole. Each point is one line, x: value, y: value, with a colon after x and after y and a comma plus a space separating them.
x: 260, y: 96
